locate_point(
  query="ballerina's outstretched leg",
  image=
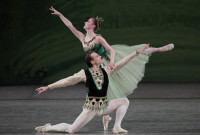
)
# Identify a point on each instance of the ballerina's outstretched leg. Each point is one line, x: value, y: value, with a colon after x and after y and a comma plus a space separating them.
x: 160, y: 49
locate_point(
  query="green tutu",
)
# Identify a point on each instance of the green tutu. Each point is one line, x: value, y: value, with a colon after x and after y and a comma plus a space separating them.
x: 125, y: 80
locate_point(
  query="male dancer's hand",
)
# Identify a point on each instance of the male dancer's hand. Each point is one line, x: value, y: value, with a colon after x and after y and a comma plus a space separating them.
x: 42, y: 89
x: 111, y: 66
x: 142, y: 50
x: 55, y: 12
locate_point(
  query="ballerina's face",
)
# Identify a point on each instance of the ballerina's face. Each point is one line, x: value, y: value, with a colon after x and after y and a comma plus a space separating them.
x: 89, y: 24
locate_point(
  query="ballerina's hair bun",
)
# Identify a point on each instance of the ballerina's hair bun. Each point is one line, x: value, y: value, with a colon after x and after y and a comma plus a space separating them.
x: 97, y: 22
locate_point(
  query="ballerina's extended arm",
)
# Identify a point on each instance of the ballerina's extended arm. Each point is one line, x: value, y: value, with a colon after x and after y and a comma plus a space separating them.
x: 77, y: 33
x: 109, y: 48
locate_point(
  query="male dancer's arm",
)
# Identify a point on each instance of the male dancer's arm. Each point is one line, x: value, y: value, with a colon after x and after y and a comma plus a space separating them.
x: 120, y: 64
x: 71, y: 80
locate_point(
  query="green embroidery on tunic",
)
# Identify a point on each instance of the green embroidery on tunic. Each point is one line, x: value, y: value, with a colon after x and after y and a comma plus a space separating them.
x: 93, y: 104
x: 98, y: 78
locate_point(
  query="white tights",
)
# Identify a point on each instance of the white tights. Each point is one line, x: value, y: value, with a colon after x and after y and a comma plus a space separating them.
x: 120, y: 105
x: 160, y: 49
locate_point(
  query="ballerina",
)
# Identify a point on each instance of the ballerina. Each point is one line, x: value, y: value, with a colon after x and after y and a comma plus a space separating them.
x: 125, y: 81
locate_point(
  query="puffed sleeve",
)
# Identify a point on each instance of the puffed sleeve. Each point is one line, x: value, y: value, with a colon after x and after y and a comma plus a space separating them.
x: 71, y: 80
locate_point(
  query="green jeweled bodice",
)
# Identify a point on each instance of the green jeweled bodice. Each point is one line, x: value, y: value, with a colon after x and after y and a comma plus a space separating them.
x: 99, y: 49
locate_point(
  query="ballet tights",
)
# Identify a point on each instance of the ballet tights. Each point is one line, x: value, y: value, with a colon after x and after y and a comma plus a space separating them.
x: 160, y: 49
x: 118, y: 105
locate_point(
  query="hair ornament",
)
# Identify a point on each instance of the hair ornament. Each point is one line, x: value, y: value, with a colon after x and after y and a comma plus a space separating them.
x: 99, y: 19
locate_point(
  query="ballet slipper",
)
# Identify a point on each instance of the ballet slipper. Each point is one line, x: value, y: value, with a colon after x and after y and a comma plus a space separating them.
x: 166, y: 48
x: 106, y: 120
x: 121, y: 130
x: 42, y: 128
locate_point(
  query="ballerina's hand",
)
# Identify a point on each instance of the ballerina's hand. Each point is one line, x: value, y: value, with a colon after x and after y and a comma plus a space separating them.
x: 55, y: 12
x: 42, y: 89
x: 142, y: 50
x: 111, y: 66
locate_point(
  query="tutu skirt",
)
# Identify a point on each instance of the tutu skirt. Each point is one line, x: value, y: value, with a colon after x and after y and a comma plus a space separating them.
x: 125, y: 81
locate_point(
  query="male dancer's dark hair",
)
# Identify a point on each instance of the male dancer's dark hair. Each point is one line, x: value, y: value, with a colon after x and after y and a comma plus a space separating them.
x: 88, y: 59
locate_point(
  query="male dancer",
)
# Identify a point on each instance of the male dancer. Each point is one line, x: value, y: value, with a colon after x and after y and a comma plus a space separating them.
x: 96, y: 80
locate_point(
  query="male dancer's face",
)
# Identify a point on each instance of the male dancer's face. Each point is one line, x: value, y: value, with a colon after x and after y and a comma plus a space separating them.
x: 96, y: 59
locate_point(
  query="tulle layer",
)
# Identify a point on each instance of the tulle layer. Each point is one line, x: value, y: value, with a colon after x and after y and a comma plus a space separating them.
x: 125, y: 80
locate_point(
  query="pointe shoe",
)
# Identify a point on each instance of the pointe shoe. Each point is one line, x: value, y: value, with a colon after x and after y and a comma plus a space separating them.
x: 42, y: 128
x: 167, y: 47
x: 121, y: 130
x: 105, y: 122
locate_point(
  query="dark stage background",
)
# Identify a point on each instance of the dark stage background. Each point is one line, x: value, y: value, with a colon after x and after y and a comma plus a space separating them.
x: 37, y: 48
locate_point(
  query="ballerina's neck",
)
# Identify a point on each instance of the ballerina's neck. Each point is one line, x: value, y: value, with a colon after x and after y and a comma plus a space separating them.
x: 90, y: 34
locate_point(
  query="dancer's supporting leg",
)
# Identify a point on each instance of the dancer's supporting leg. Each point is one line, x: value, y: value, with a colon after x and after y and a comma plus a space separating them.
x: 160, y: 49
x: 81, y: 121
x: 106, y: 119
x: 121, y: 106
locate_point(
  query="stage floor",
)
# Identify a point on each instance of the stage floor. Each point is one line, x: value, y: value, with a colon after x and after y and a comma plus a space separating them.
x: 144, y: 117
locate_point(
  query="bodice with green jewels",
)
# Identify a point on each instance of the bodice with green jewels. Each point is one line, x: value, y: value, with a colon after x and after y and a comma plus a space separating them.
x: 99, y: 49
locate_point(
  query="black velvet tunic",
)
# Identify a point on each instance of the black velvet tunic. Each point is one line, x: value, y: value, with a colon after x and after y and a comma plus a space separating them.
x: 91, y: 87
